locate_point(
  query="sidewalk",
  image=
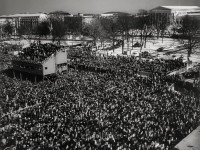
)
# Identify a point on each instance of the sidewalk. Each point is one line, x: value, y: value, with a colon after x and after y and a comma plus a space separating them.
x: 191, y: 142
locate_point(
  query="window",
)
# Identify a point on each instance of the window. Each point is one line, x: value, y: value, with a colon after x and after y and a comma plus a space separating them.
x: 45, y: 68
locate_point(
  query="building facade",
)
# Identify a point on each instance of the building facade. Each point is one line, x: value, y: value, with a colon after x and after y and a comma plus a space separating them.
x: 114, y: 14
x: 88, y: 18
x: 195, y: 15
x: 59, y: 15
x: 171, y: 14
x: 29, y: 21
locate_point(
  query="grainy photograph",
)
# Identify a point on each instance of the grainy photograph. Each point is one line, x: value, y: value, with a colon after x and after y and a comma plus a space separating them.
x: 99, y: 75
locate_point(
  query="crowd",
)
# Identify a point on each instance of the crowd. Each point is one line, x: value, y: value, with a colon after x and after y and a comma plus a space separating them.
x: 123, y: 63
x: 38, y: 52
x: 5, y: 60
x: 90, y: 110
x: 6, y: 48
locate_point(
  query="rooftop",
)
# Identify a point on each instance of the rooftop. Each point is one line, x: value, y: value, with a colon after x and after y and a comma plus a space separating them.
x: 22, y: 15
x: 60, y: 12
x: 117, y: 13
x: 181, y: 7
x: 38, y: 52
x: 188, y: 8
x: 194, y: 14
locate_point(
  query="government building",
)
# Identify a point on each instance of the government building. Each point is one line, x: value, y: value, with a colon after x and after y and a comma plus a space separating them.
x: 171, y: 14
x: 26, y: 20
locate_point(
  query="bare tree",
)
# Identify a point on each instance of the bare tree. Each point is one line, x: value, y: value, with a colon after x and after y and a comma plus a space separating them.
x: 190, y: 28
x: 94, y: 29
x: 43, y: 29
x: 111, y: 29
x: 161, y: 27
x: 58, y: 29
x: 8, y: 28
x: 133, y: 28
x: 123, y: 23
x: 145, y: 27
x: 73, y: 25
x: 21, y: 30
x: 1, y: 31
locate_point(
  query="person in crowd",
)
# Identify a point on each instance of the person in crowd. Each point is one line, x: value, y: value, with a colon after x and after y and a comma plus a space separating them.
x: 101, y: 104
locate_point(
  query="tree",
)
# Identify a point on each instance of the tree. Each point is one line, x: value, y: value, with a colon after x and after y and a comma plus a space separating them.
x: 85, y: 29
x: 123, y: 23
x: 111, y: 29
x: 43, y: 29
x: 145, y: 27
x: 27, y: 32
x: 21, y: 31
x: 58, y: 29
x: 102, y: 36
x: 1, y: 31
x: 94, y: 30
x: 8, y: 28
x: 189, y: 30
x: 73, y: 25
x: 161, y: 27
x: 133, y: 28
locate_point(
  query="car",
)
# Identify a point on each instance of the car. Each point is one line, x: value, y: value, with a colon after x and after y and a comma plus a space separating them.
x: 173, y: 56
x: 160, y: 49
x: 137, y: 44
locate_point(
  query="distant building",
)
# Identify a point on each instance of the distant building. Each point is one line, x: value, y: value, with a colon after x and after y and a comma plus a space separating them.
x: 27, y: 20
x: 113, y: 14
x: 60, y: 14
x: 172, y: 14
x: 194, y: 15
x: 88, y: 18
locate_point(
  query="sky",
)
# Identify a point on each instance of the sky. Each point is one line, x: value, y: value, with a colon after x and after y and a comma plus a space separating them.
x: 86, y: 6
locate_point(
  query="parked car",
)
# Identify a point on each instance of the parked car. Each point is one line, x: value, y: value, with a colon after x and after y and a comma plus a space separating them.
x: 160, y: 49
x: 137, y: 44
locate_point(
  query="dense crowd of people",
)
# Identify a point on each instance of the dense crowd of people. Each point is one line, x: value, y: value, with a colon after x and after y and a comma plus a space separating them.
x: 85, y: 109
x: 38, y: 52
x: 5, y: 60
x: 121, y: 63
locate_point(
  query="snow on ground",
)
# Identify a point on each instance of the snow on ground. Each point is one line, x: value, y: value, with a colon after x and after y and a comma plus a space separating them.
x: 170, y: 45
x: 26, y: 43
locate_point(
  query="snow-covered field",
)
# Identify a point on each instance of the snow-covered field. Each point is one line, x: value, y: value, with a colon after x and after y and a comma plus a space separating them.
x: 170, y: 45
x: 26, y: 43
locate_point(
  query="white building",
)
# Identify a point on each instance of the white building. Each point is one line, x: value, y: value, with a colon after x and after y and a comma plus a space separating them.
x: 27, y: 20
x: 60, y: 15
x: 57, y: 62
x: 107, y: 15
x: 173, y: 14
x: 88, y: 18
x: 114, y: 14
x: 194, y: 15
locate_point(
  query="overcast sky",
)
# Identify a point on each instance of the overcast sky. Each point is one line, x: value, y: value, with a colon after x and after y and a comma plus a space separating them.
x: 86, y: 6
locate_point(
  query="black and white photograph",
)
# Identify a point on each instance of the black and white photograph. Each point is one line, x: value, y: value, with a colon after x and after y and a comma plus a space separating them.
x: 99, y: 74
